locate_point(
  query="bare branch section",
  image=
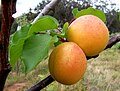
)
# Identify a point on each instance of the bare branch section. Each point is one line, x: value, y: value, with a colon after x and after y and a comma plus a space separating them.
x: 40, y: 85
x: 47, y: 8
x: 113, y: 40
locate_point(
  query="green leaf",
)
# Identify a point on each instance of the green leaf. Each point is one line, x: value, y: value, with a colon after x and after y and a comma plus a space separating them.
x: 16, y: 45
x: 43, y: 24
x: 57, y: 43
x: 35, y: 50
x: 20, y: 34
x: 65, y: 29
x: 75, y: 11
x: 15, y: 51
x: 91, y: 11
x: 54, y: 40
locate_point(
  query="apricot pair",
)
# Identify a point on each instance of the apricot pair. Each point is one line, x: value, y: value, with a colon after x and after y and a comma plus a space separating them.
x: 87, y: 36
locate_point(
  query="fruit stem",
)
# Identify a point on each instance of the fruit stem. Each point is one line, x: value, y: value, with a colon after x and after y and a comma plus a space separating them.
x: 62, y: 39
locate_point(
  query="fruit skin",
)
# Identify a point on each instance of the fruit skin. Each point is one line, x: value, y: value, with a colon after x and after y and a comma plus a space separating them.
x: 67, y: 63
x: 90, y: 33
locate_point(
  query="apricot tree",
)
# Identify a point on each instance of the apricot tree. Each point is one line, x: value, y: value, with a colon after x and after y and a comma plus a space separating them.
x: 32, y: 42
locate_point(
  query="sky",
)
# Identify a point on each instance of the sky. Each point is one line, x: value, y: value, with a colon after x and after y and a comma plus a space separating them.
x: 23, y: 6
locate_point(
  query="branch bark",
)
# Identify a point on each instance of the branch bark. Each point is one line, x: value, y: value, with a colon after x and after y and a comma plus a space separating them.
x: 40, y: 85
x: 8, y: 8
x: 47, y: 8
x: 113, y: 40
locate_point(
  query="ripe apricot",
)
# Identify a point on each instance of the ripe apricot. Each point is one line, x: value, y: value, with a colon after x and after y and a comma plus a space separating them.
x: 67, y: 63
x: 90, y: 33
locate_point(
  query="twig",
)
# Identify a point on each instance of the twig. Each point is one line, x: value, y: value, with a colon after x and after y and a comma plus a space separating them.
x: 113, y: 40
x: 40, y: 85
x: 46, y: 9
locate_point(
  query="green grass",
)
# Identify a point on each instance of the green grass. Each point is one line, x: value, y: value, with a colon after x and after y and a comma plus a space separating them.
x: 102, y: 74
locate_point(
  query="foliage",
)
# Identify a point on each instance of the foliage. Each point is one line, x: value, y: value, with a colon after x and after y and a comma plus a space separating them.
x: 90, y: 11
x: 25, y: 42
x: 45, y: 22
x: 113, y: 22
x: 35, y: 50
x: 16, y: 45
x: 22, y: 20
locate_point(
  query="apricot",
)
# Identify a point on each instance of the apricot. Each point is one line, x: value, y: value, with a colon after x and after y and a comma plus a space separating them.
x: 67, y: 63
x: 90, y: 33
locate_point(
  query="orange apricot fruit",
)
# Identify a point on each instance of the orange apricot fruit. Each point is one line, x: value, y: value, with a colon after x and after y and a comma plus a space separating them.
x: 67, y: 63
x: 90, y: 33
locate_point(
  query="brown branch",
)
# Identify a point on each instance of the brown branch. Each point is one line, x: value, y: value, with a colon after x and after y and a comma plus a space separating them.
x: 8, y: 8
x: 113, y: 40
x: 47, y: 8
x: 40, y: 85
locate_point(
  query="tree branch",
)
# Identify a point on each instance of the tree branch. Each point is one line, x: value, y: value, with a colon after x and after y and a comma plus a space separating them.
x: 8, y: 8
x: 113, y: 40
x: 40, y: 85
x: 47, y: 8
